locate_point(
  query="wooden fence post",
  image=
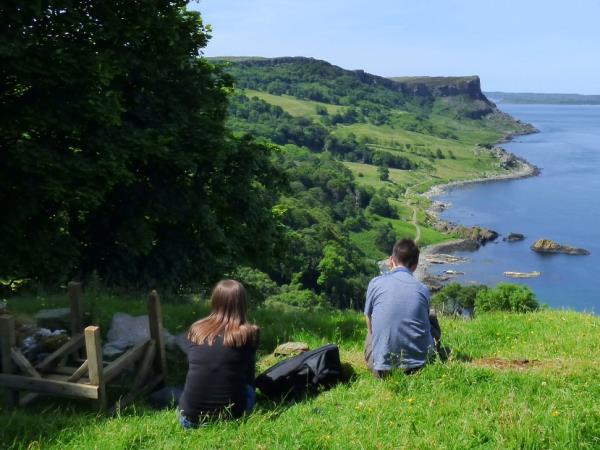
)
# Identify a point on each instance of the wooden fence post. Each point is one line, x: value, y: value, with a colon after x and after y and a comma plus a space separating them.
x: 156, y: 333
x: 76, y: 312
x: 7, y: 342
x: 93, y: 349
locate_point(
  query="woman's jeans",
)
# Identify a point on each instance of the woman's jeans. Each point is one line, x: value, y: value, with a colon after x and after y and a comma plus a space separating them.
x: 250, y: 402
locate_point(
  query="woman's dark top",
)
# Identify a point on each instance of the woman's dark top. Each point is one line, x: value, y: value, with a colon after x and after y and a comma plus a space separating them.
x: 216, y: 379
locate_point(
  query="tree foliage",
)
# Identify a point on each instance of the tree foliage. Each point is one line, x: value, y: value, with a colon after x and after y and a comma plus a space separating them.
x: 319, y: 255
x: 385, y: 237
x: 115, y: 154
x: 381, y: 206
x: 453, y: 298
x: 384, y: 172
x: 507, y: 297
x: 262, y: 119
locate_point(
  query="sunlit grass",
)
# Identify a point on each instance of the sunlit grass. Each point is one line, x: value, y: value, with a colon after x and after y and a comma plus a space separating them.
x: 552, y: 402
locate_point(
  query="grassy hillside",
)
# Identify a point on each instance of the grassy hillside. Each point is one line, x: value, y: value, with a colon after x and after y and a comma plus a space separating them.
x: 293, y: 105
x: 487, y: 396
x: 427, y: 130
x: 440, y: 127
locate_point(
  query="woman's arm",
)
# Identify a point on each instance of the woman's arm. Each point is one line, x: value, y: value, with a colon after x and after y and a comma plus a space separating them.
x: 251, y: 358
x: 251, y: 367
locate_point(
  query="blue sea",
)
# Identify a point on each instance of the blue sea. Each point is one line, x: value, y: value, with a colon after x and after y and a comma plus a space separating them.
x: 562, y: 204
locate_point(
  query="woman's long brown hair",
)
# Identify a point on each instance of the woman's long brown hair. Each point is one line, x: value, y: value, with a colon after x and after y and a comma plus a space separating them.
x: 227, y: 318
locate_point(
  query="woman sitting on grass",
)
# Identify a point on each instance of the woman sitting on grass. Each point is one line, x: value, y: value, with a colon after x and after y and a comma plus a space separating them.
x: 220, y: 378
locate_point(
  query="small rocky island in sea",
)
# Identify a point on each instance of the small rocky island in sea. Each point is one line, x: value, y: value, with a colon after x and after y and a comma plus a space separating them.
x: 549, y: 246
x: 514, y: 237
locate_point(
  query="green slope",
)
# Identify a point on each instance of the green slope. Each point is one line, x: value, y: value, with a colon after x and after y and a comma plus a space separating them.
x: 441, y: 126
x: 511, y: 384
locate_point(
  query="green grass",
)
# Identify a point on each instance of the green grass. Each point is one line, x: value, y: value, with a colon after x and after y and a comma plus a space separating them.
x: 365, y: 240
x: 366, y: 174
x: 430, y: 236
x: 292, y: 105
x: 552, y: 403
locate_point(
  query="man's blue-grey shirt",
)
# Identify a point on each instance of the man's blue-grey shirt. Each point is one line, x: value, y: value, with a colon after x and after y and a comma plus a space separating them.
x: 398, y: 305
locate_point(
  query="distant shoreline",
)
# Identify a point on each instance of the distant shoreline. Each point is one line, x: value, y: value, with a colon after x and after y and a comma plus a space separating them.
x: 525, y: 170
x: 532, y: 98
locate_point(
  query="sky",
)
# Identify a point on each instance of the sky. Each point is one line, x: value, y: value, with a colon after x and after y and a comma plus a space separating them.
x: 513, y: 45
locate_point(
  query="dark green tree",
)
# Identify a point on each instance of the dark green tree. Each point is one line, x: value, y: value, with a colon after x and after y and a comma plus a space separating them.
x: 384, y: 172
x: 321, y: 110
x: 115, y: 156
x: 380, y: 205
x: 385, y: 237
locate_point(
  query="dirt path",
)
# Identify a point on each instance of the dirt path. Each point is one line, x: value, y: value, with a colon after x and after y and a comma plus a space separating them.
x: 410, y: 192
x: 416, y: 224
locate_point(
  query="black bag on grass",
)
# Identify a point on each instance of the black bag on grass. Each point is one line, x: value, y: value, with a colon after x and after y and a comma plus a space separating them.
x: 306, y: 372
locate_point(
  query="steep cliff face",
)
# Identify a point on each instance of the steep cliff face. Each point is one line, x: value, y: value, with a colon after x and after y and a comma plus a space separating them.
x: 469, y: 86
x: 460, y: 96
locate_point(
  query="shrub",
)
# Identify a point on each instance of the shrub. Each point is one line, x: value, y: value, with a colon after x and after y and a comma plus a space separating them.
x: 507, y: 297
x: 385, y: 237
x: 355, y: 223
x: 384, y: 173
x: 257, y: 283
x: 381, y: 206
x: 453, y: 297
x: 294, y: 295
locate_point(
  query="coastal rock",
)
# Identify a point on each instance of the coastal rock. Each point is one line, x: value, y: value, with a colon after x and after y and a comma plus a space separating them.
x: 549, y: 246
x: 438, y: 206
x: 478, y: 234
x: 453, y: 272
x: 441, y: 258
x: 462, y: 245
x: 507, y: 159
x: 433, y: 282
x: 533, y: 274
x: 514, y: 237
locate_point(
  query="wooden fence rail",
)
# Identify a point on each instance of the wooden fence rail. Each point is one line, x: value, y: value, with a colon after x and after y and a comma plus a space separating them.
x: 89, y: 377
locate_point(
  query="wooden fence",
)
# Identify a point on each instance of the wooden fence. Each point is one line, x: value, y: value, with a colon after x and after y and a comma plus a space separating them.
x: 76, y: 369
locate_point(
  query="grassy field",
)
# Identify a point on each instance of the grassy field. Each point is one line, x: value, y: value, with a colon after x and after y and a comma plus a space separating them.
x: 293, y: 105
x: 364, y: 239
x: 481, y: 398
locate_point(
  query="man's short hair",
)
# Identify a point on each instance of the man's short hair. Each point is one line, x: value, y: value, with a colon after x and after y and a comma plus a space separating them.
x: 406, y: 252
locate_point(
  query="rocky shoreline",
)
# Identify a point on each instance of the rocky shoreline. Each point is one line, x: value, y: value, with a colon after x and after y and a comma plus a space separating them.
x: 525, y: 170
x: 478, y: 236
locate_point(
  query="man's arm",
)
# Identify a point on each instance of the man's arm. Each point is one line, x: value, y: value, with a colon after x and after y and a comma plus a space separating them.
x: 369, y: 306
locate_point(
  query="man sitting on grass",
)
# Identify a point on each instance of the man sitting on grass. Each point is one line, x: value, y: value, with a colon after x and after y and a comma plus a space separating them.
x: 401, y: 333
